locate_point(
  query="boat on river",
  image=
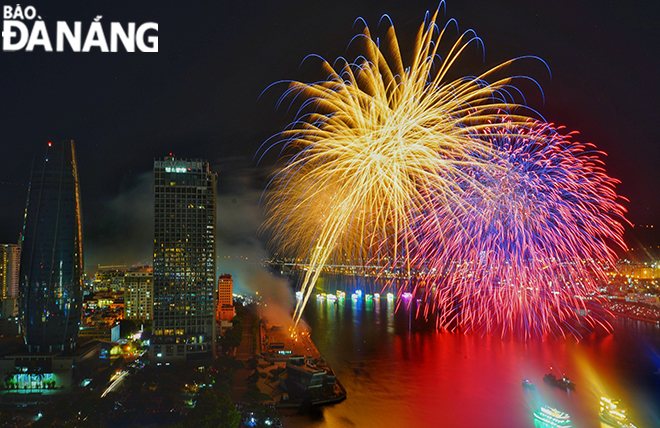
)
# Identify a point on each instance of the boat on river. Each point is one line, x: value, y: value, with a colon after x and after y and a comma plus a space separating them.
x: 553, y: 417
x: 563, y: 382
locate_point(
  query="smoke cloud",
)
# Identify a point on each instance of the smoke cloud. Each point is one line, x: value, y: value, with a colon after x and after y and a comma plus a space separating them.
x: 240, y: 250
x: 123, y: 235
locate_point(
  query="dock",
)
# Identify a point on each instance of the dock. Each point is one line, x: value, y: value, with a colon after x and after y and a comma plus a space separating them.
x: 296, y: 373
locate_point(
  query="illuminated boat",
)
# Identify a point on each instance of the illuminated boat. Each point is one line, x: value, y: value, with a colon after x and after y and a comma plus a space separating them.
x: 564, y: 382
x: 527, y: 384
x: 553, y: 417
x: 613, y: 413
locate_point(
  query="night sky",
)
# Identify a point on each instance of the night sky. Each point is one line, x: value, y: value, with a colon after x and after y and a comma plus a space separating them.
x: 199, y: 97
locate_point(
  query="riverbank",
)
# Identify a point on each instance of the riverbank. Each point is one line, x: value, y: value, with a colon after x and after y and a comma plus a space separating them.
x: 292, y: 371
x: 634, y: 310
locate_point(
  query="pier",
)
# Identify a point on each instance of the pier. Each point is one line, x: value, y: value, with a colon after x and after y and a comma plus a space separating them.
x: 292, y: 370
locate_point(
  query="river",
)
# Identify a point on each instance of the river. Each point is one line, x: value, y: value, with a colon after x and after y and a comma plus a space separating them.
x: 398, y: 374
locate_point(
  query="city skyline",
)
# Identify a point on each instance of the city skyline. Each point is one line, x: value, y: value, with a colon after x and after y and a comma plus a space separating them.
x: 354, y: 213
x: 200, y: 96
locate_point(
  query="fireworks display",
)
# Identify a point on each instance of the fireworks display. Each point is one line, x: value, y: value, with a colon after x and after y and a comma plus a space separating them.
x: 525, y: 251
x: 409, y: 170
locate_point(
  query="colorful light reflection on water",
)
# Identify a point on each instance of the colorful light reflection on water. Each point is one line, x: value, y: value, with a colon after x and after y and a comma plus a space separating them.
x: 398, y: 374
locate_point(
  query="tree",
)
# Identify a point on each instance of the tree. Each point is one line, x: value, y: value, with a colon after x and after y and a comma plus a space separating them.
x: 9, y: 378
x: 222, y: 371
x: 255, y: 396
x: 127, y: 327
x: 212, y: 410
x: 263, y: 414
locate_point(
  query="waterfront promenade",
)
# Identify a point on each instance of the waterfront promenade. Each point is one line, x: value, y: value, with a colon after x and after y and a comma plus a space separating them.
x: 277, y: 343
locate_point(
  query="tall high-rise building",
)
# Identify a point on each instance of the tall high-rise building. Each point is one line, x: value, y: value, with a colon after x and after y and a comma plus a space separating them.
x: 51, y: 271
x: 225, y: 310
x: 139, y: 294
x: 10, y: 260
x: 184, y: 261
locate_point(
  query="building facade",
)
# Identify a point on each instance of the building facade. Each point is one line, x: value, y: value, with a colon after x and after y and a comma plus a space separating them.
x: 106, y: 333
x: 225, y: 311
x: 10, y: 260
x: 51, y: 269
x: 139, y: 295
x: 109, y: 278
x: 184, y: 261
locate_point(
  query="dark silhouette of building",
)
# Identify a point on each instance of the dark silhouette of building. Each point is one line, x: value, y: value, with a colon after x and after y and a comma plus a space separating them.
x: 51, y: 267
x: 184, y: 261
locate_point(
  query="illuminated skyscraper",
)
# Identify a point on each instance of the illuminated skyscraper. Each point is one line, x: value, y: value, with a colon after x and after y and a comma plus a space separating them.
x: 184, y: 261
x: 51, y: 271
x: 225, y: 310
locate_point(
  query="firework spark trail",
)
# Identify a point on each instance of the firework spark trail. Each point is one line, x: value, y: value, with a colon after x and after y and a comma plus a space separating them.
x: 524, y: 251
x: 371, y: 142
